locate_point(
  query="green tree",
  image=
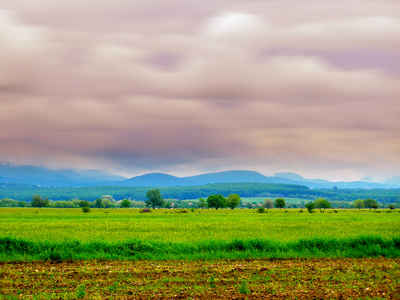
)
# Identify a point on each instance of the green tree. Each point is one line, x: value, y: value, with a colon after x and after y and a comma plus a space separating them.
x: 359, y: 204
x: 154, y: 198
x: 375, y: 206
x: 108, y: 198
x: 310, y: 206
x: 280, y: 203
x: 202, y: 203
x: 83, y: 203
x: 216, y: 201
x: 109, y: 204
x: 167, y: 204
x: 322, y: 203
x: 391, y: 207
x: 370, y: 203
x: 233, y: 201
x: 268, y: 204
x: 21, y: 204
x: 6, y: 202
x: 99, y: 203
x: 125, y: 203
x: 39, y: 201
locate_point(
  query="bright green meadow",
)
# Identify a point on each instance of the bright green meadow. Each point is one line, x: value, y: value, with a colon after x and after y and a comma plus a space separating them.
x: 61, y: 234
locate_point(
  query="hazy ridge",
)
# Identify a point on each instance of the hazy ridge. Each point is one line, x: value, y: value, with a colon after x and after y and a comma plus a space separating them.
x: 41, y: 176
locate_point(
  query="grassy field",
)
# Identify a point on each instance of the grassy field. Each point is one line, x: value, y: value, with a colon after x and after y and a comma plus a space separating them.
x: 64, y: 234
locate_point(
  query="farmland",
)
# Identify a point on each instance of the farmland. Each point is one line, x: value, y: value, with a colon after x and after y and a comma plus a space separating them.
x: 370, y: 278
x: 60, y: 234
x: 53, y: 253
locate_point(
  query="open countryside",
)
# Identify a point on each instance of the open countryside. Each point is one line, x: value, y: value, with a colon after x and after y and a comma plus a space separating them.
x: 200, y: 253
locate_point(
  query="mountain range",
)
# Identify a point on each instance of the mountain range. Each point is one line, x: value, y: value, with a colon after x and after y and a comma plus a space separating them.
x: 41, y: 176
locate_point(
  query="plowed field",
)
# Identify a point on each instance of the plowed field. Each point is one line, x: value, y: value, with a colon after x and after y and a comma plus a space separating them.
x: 375, y: 278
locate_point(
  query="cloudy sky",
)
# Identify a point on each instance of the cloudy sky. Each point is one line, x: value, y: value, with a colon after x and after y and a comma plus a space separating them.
x: 188, y: 86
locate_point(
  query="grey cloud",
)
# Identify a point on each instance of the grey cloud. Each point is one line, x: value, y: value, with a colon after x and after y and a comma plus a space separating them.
x: 133, y: 85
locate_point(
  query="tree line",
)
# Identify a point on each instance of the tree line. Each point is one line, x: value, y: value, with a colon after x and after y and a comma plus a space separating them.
x: 154, y: 200
x: 267, y: 190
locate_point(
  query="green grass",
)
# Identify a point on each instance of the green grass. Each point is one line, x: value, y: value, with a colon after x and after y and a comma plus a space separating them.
x: 59, y: 234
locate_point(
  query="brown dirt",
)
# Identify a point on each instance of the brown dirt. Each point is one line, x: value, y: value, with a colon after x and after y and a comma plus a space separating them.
x: 377, y: 278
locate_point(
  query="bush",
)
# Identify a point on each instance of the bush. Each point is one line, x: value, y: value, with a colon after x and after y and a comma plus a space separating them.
x: 86, y: 209
x: 145, y: 210
x: 260, y: 210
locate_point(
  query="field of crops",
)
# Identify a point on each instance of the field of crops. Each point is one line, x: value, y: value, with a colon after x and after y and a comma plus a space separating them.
x: 64, y: 234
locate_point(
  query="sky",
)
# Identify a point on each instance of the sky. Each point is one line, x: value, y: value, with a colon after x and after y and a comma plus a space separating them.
x: 188, y: 87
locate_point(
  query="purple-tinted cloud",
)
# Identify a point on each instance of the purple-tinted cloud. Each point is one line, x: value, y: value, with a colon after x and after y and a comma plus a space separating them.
x: 134, y: 86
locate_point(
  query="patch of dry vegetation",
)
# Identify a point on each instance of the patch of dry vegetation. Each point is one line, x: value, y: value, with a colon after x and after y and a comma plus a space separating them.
x: 376, y: 278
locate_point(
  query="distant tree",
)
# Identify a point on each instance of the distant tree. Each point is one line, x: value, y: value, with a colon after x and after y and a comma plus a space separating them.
x: 268, y: 204
x: 359, y: 204
x: 280, y: 203
x: 99, y: 203
x: 108, y: 204
x: 322, y: 203
x: 233, y: 201
x: 216, y: 201
x: 167, y: 204
x: 154, y: 198
x: 137, y: 204
x: 310, y: 206
x: 370, y: 203
x: 125, y: 203
x: 21, y: 204
x: 375, y: 206
x: 7, y: 202
x: 202, y: 203
x: 39, y: 201
x: 83, y: 203
x: 391, y: 207
x: 108, y: 198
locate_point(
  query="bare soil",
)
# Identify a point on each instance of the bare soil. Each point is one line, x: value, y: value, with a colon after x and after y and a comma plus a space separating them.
x: 375, y: 278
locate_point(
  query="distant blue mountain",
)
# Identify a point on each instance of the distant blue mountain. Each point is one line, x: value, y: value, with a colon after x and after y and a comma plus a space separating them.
x: 46, y: 177
x: 152, y: 179
x: 226, y: 177
x: 162, y: 180
x: 34, y: 175
x: 159, y: 179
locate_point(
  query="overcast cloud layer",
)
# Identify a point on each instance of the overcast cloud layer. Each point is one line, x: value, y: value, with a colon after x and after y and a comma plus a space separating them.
x: 186, y: 87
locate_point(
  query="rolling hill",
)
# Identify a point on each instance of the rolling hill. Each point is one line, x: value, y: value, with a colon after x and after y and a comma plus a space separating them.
x: 41, y: 176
